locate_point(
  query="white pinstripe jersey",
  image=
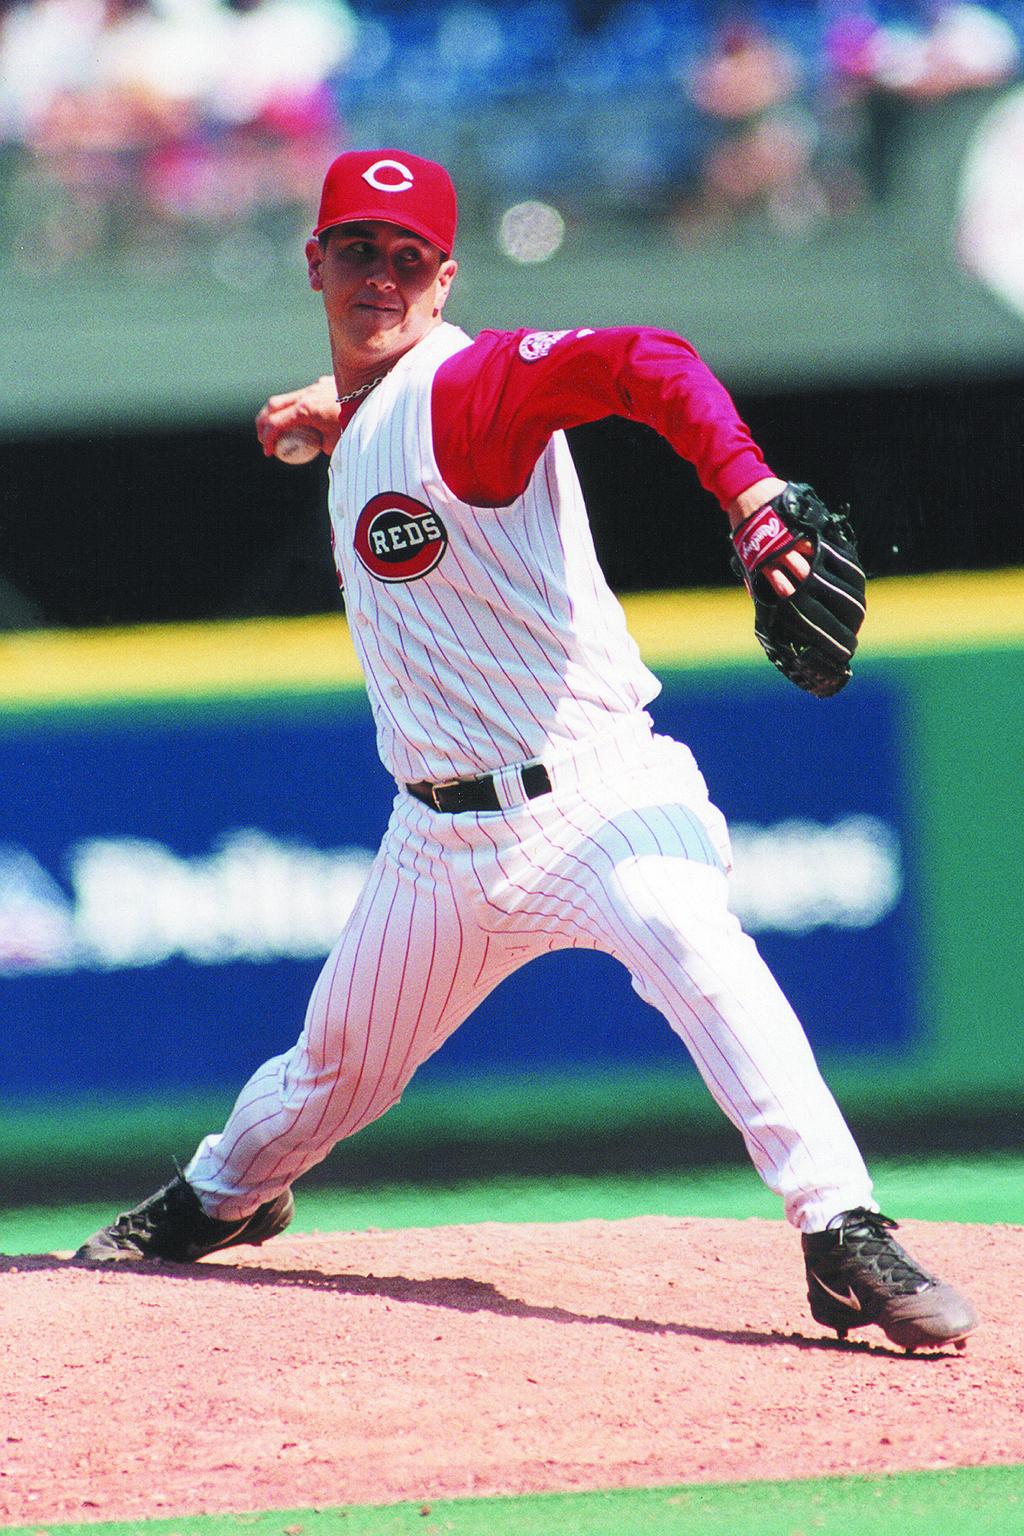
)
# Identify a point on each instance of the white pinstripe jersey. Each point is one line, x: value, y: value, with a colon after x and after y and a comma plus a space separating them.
x: 487, y: 636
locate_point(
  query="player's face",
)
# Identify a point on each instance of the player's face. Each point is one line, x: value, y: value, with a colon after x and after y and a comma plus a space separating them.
x: 383, y: 288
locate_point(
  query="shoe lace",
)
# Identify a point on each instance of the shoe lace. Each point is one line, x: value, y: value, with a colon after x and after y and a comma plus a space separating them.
x: 862, y: 1217
x: 142, y: 1220
x: 145, y: 1218
x: 865, y: 1234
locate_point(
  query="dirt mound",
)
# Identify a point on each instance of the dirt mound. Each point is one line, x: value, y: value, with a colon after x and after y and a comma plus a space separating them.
x: 377, y: 1366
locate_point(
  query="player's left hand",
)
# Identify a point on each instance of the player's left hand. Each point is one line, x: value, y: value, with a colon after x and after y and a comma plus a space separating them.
x: 315, y: 405
x: 786, y: 570
x: 802, y: 568
x: 790, y: 569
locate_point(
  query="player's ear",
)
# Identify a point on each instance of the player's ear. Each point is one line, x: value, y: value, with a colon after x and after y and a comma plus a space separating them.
x: 314, y: 264
x: 445, y: 276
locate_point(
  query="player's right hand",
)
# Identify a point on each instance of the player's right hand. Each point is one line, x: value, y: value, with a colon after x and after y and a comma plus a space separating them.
x: 315, y: 405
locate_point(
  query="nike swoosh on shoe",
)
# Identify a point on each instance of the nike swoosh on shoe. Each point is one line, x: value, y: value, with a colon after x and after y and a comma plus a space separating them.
x: 850, y: 1300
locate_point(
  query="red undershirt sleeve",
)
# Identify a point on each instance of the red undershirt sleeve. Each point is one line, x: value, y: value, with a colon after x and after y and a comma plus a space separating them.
x: 496, y: 403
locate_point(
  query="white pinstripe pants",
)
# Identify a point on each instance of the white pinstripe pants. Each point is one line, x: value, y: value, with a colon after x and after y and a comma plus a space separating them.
x: 626, y: 855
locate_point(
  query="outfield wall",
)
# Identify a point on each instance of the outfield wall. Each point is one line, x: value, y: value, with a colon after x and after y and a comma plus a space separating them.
x: 188, y: 813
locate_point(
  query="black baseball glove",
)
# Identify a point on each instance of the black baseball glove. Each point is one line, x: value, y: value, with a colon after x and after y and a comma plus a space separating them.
x: 811, y: 635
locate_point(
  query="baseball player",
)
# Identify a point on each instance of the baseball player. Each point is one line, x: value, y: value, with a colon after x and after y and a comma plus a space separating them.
x: 535, y: 808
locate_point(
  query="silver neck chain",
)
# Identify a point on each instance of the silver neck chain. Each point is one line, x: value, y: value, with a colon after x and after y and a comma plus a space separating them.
x: 364, y: 389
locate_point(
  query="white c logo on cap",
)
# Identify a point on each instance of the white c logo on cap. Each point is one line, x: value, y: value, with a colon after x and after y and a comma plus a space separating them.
x: 372, y: 176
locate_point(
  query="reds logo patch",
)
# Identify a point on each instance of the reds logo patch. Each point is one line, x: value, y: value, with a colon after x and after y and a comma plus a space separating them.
x: 399, y: 539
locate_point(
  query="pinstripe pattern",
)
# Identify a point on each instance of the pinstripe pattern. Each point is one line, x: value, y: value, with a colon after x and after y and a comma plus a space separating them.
x: 626, y: 856
x: 510, y: 647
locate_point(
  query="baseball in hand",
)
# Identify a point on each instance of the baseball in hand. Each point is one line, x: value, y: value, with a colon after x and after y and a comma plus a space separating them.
x: 298, y: 445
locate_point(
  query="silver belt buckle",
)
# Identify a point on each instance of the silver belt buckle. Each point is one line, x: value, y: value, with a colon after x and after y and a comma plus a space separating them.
x: 445, y: 784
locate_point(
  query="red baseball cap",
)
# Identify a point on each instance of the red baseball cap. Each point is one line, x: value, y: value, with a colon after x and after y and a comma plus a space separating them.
x: 392, y: 186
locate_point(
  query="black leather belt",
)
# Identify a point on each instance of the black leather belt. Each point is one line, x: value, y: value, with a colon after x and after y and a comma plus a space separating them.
x: 456, y: 795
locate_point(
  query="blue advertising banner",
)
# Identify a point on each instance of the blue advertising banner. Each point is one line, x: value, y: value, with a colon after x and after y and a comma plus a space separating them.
x: 171, y: 879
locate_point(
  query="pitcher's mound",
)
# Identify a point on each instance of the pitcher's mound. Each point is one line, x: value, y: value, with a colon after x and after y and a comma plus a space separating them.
x: 372, y: 1367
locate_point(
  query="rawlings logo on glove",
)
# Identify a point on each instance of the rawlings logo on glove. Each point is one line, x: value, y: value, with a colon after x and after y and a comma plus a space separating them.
x: 812, y: 634
x: 762, y: 535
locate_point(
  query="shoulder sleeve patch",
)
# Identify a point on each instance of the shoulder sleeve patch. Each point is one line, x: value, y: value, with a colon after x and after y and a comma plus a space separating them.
x: 539, y: 343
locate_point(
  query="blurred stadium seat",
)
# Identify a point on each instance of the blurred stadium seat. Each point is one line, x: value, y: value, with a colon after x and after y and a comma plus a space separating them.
x: 842, y: 231
x: 107, y: 119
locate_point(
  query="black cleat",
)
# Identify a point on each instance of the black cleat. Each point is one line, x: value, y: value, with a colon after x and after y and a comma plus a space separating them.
x: 858, y: 1275
x: 173, y: 1225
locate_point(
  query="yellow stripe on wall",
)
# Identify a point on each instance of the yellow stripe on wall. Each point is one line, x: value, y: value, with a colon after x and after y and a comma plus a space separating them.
x: 906, y: 616
x: 48, y: 669
x: 176, y: 661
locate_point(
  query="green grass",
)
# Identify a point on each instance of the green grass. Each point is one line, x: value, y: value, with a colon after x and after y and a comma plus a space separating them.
x: 989, y: 1501
x: 53, y: 1135
x: 970, y: 1189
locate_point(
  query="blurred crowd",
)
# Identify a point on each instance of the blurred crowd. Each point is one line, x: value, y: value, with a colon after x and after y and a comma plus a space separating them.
x: 155, y: 127
x: 803, y: 135
x: 135, y: 124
